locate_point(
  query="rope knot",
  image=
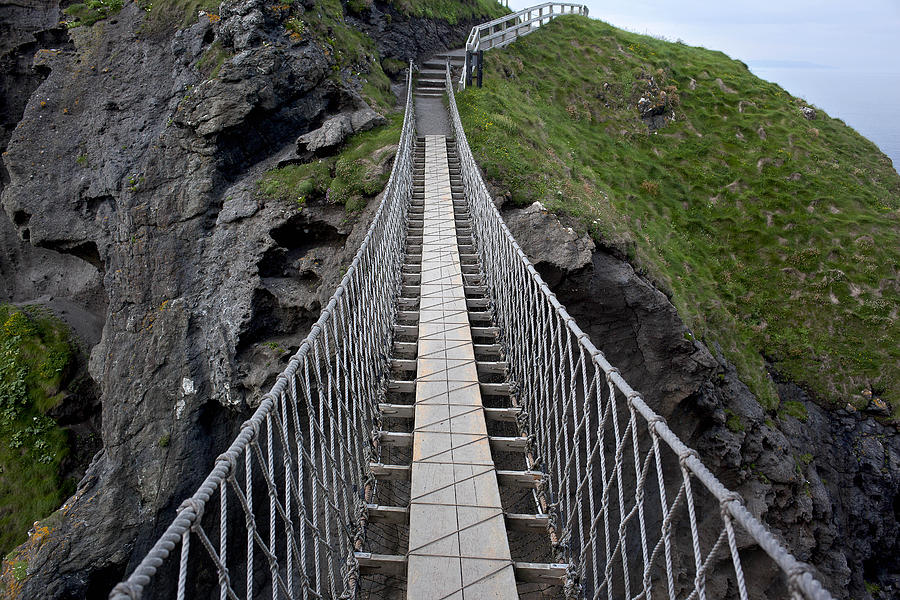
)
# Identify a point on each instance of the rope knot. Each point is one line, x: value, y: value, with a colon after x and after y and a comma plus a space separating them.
x: 252, y: 426
x: 195, y: 504
x: 572, y: 585
x: 224, y: 458
x: 125, y: 588
x: 686, y: 454
x: 224, y: 577
x: 632, y: 396
x: 609, y: 374
x: 798, y: 571
x: 732, y: 497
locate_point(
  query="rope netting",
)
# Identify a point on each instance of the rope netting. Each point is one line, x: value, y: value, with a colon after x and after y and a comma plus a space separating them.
x: 635, y: 511
x: 283, y: 509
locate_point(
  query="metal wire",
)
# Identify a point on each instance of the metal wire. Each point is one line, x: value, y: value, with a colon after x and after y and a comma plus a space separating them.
x: 638, y: 513
x: 292, y: 485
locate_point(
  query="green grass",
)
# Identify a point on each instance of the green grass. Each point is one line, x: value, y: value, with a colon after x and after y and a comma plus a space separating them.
x: 452, y: 11
x: 212, y: 59
x: 88, y: 13
x: 35, y: 357
x: 340, y: 179
x: 167, y: 15
x: 783, y: 246
x: 733, y: 421
x: 794, y: 409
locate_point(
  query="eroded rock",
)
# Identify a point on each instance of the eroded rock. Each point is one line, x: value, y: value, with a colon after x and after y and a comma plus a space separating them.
x: 336, y: 129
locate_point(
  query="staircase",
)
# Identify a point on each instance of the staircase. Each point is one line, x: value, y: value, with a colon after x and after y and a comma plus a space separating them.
x: 430, y: 82
x: 475, y: 526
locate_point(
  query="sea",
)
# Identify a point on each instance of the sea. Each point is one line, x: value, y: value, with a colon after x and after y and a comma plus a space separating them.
x: 866, y: 101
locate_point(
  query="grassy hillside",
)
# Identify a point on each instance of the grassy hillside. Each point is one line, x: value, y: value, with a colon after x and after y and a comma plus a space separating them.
x: 776, y: 236
x: 35, y: 355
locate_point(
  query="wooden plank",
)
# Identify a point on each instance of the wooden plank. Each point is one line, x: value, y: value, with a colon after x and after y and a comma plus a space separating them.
x: 486, y: 367
x: 522, y: 522
x: 399, y: 439
x: 502, y: 414
x: 521, y: 479
x: 457, y: 537
x: 407, y: 411
x: 549, y: 573
x: 390, y: 472
x: 389, y: 514
x: 381, y: 564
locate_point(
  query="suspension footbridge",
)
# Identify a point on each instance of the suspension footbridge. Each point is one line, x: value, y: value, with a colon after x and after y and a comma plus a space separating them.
x: 447, y: 431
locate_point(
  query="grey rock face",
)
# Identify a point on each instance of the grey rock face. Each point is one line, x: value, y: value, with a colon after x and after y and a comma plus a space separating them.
x: 139, y: 180
x: 829, y: 487
x: 242, y: 23
x: 365, y: 119
x: 403, y: 38
x: 335, y: 130
x: 327, y: 137
x: 556, y: 249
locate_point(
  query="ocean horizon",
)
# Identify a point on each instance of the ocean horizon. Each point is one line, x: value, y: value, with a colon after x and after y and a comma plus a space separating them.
x: 866, y: 101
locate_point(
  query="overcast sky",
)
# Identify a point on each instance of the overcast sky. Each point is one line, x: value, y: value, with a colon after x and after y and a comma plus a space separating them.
x: 859, y: 35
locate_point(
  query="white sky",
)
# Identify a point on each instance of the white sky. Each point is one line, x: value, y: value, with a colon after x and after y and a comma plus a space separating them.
x: 858, y: 35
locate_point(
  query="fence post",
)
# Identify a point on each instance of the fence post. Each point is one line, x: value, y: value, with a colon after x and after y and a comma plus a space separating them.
x: 470, y: 56
x: 480, y: 66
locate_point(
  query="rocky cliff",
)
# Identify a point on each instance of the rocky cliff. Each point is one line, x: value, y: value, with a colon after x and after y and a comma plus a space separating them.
x: 132, y: 152
x: 827, y: 483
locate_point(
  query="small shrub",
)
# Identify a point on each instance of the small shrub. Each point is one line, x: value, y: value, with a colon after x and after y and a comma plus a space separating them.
x: 358, y: 6
x: 211, y: 61
x: 82, y: 160
x: 733, y: 421
x: 35, y: 355
x: 296, y: 28
x: 20, y: 570
x: 88, y: 13
x: 873, y: 588
x: 792, y: 408
x: 393, y: 67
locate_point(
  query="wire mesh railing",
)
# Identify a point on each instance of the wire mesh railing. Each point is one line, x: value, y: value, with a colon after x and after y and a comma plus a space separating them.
x: 283, y: 509
x: 636, y: 513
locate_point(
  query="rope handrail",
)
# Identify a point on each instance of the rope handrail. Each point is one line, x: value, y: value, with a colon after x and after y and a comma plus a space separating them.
x: 617, y: 520
x: 305, y: 451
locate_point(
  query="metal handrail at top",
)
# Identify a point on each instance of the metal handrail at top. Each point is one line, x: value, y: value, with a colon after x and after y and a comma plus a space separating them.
x: 506, y: 29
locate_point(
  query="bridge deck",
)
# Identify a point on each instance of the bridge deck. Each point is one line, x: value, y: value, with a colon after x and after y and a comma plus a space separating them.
x: 458, y: 547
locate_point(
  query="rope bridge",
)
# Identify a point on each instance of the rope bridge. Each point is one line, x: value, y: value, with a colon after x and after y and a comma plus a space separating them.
x: 287, y: 511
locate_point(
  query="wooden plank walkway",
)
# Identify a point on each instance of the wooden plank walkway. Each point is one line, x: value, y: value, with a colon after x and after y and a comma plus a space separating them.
x: 458, y: 548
